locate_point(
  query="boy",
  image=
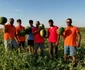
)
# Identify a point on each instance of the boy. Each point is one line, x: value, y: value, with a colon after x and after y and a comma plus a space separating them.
x: 31, y: 38
x: 20, y: 39
x: 38, y: 40
x: 53, y: 39
x: 10, y: 35
x: 70, y: 35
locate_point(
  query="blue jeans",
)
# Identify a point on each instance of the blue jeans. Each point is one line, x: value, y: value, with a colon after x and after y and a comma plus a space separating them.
x: 70, y: 49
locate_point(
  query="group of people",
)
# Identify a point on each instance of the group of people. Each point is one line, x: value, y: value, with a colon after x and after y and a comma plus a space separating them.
x: 35, y: 41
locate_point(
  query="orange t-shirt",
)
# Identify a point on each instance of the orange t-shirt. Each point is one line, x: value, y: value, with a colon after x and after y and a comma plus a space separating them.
x: 70, y: 36
x: 20, y: 38
x: 10, y: 34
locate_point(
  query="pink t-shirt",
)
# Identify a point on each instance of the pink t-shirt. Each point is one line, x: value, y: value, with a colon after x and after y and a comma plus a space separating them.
x: 37, y: 37
x: 53, y: 34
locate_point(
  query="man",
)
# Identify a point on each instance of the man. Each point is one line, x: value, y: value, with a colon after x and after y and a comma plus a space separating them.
x: 20, y: 39
x: 70, y: 35
x: 10, y: 35
x: 31, y: 38
x: 53, y: 39
x: 38, y: 40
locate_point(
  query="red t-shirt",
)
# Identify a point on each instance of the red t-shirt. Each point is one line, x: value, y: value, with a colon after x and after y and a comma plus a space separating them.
x: 37, y: 37
x: 53, y: 34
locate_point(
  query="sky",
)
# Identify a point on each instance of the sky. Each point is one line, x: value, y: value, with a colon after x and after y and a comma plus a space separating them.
x: 43, y: 10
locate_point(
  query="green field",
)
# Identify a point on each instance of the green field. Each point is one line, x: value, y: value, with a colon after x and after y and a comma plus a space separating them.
x: 12, y: 60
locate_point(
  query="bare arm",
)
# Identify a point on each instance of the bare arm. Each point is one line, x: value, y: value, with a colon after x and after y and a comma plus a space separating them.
x: 47, y: 34
x: 63, y: 36
x: 58, y: 37
x: 58, y: 40
x: 5, y: 29
x: 79, y: 39
x: 16, y: 38
x: 36, y: 31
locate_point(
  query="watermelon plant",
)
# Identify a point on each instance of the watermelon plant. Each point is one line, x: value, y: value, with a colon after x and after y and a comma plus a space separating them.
x: 12, y: 60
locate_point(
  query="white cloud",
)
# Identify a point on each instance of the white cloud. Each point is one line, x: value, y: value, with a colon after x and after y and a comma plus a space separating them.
x: 18, y: 10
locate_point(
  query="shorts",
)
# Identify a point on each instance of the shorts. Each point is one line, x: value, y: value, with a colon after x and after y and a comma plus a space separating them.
x: 11, y: 44
x: 70, y: 49
x: 52, y: 44
x: 22, y: 44
x: 31, y: 42
x: 38, y: 45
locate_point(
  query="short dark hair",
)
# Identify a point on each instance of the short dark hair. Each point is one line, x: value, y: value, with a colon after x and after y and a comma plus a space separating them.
x: 11, y: 19
x: 19, y: 20
x: 51, y: 21
x: 38, y: 22
x: 31, y: 21
x: 69, y: 19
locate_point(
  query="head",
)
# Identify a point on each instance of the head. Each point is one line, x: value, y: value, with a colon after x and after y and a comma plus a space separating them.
x: 19, y: 22
x: 37, y: 23
x: 11, y: 21
x: 50, y: 22
x: 31, y: 22
x: 69, y: 22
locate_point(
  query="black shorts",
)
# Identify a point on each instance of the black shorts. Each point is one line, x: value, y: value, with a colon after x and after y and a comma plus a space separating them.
x: 31, y: 42
x: 22, y: 44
